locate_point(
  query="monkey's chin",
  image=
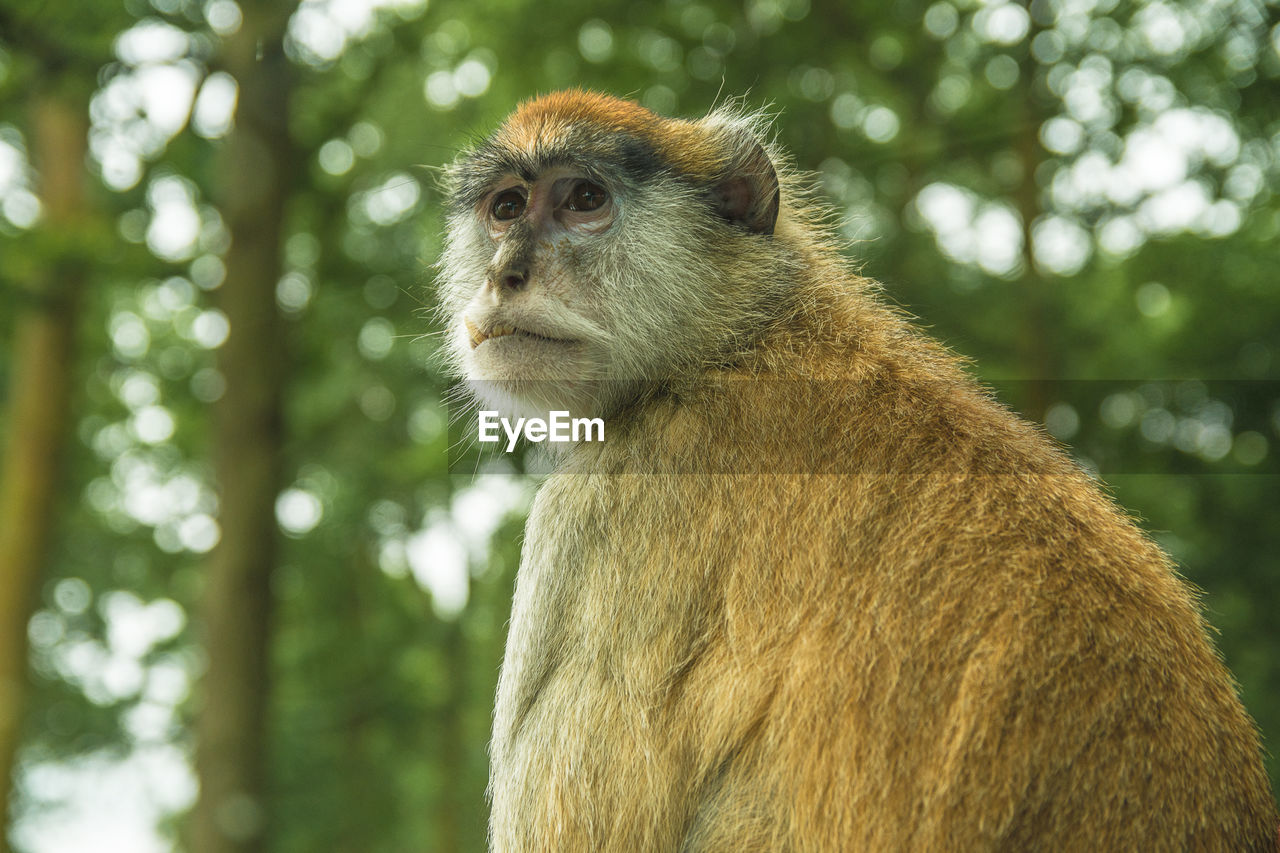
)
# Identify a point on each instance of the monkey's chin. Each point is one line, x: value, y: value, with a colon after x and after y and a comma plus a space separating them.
x: 526, y: 394
x: 531, y: 377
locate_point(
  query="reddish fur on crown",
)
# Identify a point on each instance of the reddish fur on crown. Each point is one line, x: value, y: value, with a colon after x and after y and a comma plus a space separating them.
x: 686, y: 145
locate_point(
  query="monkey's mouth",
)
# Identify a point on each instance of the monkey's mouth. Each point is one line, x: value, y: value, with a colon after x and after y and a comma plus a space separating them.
x: 501, y: 330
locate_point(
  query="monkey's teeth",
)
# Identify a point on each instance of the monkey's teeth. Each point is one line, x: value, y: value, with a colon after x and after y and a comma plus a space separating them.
x: 478, y: 337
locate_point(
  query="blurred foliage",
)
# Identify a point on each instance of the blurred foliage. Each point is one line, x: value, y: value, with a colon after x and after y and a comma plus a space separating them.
x: 1079, y: 194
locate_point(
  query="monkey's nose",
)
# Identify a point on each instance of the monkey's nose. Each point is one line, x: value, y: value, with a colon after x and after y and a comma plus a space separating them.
x: 508, y: 280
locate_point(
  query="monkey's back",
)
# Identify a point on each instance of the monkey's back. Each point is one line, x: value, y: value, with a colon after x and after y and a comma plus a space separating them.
x: 856, y: 606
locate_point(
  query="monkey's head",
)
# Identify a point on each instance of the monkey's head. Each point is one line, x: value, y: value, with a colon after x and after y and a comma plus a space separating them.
x: 594, y: 246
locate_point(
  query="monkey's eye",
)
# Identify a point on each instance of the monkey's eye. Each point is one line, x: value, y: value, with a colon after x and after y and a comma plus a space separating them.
x: 508, y: 205
x: 586, y: 196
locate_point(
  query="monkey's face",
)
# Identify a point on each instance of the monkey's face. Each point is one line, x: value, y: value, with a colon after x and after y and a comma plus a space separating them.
x: 583, y: 258
x: 529, y: 322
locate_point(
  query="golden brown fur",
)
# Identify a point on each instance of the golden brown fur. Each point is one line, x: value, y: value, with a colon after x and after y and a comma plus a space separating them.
x: 825, y: 594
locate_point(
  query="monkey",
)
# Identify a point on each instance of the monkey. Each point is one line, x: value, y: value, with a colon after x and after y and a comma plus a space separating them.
x: 817, y: 590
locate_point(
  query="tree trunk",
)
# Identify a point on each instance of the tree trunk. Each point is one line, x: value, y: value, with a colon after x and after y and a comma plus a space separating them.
x: 231, y: 813
x: 38, y: 408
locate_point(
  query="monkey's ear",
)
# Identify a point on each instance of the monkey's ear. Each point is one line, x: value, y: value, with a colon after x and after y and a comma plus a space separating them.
x: 748, y: 194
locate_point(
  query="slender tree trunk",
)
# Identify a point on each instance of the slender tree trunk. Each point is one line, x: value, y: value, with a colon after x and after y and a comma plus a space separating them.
x: 38, y: 409
x: 231, y: 813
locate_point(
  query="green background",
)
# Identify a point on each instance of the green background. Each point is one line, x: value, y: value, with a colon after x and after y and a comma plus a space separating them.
x: 1078, y: 195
